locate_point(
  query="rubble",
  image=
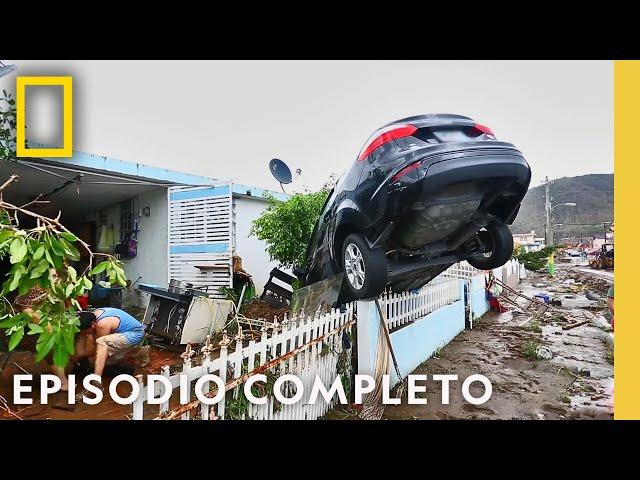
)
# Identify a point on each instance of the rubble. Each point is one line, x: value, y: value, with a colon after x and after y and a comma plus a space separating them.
x: 260, y: 309
x: 544, y: 353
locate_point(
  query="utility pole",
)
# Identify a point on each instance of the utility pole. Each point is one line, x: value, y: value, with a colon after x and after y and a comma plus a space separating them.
x: 548, y: 228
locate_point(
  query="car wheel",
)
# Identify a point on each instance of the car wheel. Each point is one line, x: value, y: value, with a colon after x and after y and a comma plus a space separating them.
x: 365, y: 269
x: 498, y: 242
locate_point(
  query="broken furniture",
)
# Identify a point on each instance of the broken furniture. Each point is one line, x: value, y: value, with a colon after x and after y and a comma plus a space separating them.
x: 167, y: 311
x: 511, y: 295
x: 279, y: 290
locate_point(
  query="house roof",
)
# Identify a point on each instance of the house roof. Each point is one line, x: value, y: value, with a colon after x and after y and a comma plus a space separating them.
x: 138, y: 171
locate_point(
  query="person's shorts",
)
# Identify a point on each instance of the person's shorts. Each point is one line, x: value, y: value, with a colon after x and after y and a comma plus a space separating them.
x: 117, y: 345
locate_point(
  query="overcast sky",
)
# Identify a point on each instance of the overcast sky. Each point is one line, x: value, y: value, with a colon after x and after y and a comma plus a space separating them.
x: 229, y: 118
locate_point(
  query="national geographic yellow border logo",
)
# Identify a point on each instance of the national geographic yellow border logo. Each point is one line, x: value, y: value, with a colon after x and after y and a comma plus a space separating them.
x: 67, y: 113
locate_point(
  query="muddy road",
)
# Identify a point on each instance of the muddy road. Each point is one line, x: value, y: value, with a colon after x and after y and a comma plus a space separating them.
x: 576, y: 383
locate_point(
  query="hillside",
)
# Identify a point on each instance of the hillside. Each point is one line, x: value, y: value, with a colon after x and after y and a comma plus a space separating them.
x: 592, y: 194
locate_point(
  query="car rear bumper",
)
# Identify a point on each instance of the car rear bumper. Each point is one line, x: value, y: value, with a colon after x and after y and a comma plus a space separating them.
x: 449, y: 187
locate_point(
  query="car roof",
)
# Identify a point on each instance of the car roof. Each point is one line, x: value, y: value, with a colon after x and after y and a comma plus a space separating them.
x: 433, y: 119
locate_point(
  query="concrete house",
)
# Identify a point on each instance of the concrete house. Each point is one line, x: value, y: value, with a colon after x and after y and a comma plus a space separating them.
x: 186, y: 227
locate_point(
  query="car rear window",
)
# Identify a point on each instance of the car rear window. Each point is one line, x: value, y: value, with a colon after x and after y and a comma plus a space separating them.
x: 453, y: 133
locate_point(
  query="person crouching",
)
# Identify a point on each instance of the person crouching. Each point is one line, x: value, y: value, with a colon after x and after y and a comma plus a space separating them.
x: 117, y: 334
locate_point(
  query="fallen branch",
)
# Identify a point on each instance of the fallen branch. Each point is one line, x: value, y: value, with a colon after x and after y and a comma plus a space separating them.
x: 574, y: 325
x: 44, y: 222
x: 5, y: 406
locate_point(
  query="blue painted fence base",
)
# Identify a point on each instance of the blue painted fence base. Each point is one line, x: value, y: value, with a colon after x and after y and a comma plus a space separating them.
x: 413, y: 343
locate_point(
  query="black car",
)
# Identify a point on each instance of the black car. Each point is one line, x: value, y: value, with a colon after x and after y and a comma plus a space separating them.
x: 425, y: 192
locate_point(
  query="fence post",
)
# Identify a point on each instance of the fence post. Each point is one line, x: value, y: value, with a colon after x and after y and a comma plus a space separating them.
x: 368, y: 330
x: 138, y: 405
x: 166, y: 373
x: 222, y: 374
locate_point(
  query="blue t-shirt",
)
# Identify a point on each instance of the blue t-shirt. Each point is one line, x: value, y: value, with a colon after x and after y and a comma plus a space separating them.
x: 131, y: 328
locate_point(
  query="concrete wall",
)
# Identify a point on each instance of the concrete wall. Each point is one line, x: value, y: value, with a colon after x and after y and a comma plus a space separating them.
x: 478, y: 296
x: 412, y: 344
x: 151, y: 261
x: 255, y: 259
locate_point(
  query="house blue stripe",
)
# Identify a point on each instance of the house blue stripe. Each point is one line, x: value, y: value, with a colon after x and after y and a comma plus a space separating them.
x: 205, y: 192
x: 146, y: 172
x: 256, y: 192
x: 201, y: 248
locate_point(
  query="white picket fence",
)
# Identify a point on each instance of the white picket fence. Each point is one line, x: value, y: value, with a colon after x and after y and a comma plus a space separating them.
x: 303, y: 346
x: 408, y: 307
x: 462, y: 270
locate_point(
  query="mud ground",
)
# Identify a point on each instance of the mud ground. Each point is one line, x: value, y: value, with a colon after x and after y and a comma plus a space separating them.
x: 576, y: 383
x: 23, y: 362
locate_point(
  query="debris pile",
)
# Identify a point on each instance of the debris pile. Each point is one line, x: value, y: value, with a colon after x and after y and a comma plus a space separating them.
x: 259, y: 309
x: 579, y: 282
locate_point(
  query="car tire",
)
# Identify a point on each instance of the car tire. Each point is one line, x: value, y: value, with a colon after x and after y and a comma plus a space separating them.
x: 365, y: 269
x: 501, y: 249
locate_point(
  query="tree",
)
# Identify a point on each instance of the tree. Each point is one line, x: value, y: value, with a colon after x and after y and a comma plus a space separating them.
x: 7, y: 127
x: 287, y: 226
x: 41, y: 257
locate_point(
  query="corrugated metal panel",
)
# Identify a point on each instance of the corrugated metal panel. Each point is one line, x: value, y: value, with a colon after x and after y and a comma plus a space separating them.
x: 201, y: 235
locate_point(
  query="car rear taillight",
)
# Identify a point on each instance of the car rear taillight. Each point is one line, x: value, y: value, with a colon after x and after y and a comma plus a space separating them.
x: 483, y: 129
x: 406, y: 170
x: 385, y: 135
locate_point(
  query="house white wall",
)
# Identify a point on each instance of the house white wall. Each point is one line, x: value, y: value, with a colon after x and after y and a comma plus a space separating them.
x: 151, y: 261
x: 255, y: 259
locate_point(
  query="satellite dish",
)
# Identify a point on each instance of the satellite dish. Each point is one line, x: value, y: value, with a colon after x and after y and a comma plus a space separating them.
x: 281, y: 172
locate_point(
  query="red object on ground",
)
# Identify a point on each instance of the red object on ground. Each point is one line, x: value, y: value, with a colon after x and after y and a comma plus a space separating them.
x: 495, y: 304
x: 83, y: 300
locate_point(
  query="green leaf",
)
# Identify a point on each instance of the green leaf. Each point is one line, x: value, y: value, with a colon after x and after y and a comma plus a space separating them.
x: 41, y: 268
x: 99, y: 268
x: 60, y: 355
x: 72, y: 273
x: 120, y: 280
x: 88, y: 284
x: 17, y: 275
x: 118, y: 268
x: 11, y: 321
x: 57, y: 262
x: 39, y: 253
x: 69, y: 236
x: 35, y: 328
x: 69, y: 345
x: 57, y: 247
x: 69, y: 290
x: 71, y: 251
x: 26, y: 284
x: 47, y: 255
x: 15, y: 338
x: 18, y: 250
x: 45, y: 347
x: 5, y: 235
